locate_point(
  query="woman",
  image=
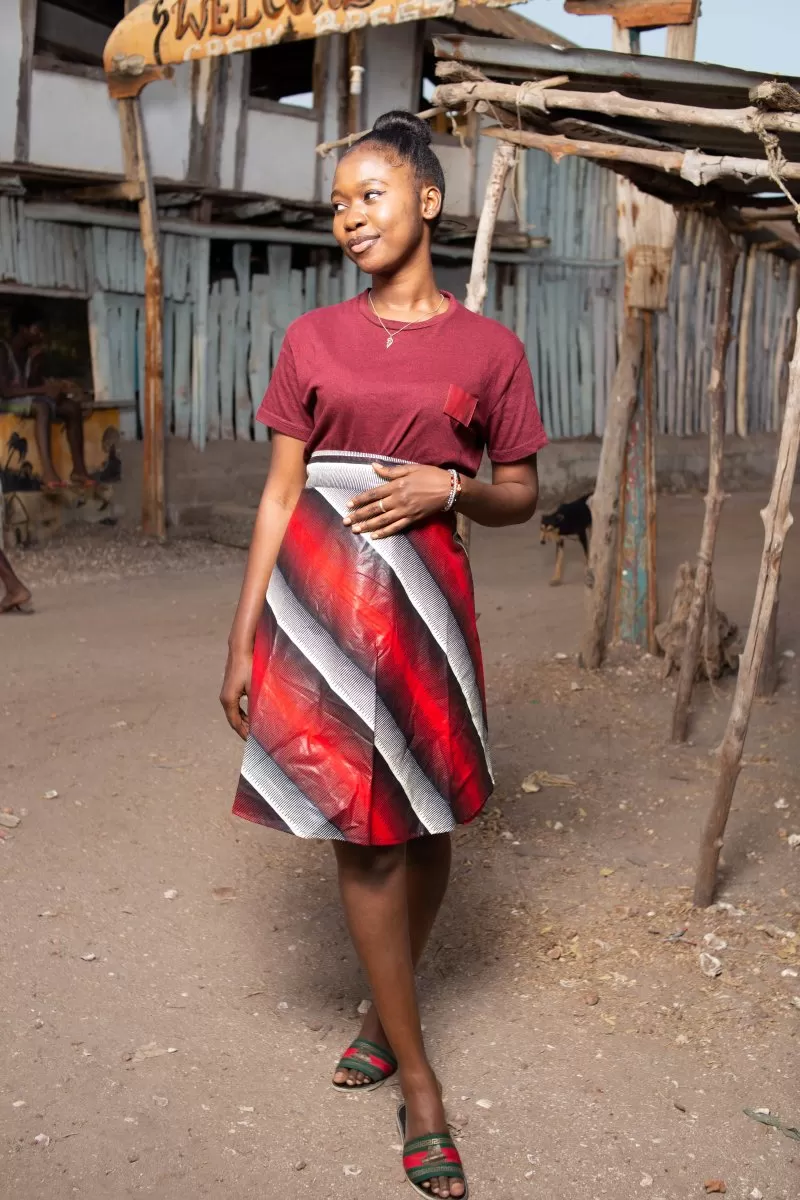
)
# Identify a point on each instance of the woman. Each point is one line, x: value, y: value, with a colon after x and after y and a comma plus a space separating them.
x: 366, y: 718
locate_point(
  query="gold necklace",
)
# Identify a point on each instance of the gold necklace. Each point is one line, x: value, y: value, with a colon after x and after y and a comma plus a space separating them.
x: 391, y: 335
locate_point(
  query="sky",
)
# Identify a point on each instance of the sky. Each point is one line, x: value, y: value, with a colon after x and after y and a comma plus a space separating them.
x: 756, y: 35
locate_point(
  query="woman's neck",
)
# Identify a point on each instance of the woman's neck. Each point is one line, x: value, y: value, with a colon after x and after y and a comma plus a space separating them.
x: 411, y: 290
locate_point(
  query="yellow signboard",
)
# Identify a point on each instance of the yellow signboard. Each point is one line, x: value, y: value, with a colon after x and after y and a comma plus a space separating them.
x: 160, y: 33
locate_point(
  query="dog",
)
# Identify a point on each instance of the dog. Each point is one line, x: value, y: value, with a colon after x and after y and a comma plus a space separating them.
x: 573, y: 519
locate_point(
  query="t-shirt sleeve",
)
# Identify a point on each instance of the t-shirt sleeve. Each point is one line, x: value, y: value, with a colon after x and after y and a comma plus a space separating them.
x: 285, y: 407
x: 514, y: 428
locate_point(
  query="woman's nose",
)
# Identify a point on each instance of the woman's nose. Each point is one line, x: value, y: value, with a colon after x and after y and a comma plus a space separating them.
x: 354, y: 219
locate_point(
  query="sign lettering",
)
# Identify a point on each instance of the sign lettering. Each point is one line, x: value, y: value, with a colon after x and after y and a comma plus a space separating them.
x: 158, y: 33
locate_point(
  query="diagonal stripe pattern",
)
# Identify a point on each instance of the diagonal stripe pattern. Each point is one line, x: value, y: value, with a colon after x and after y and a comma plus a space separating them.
x: 367, y: 708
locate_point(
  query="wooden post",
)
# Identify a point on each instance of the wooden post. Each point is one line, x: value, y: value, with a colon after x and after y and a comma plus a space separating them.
x: 137, y: 170
x: 715, y: 496
x: 355, y: 79
x: 606, y: 500
x: 777, y: 522
x: 154, y: 523
x: 502, y: 162
x: 22, y: 136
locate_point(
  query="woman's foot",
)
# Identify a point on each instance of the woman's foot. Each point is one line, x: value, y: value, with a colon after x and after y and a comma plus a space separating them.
x: 15, y: 598
x: 371, y: 1031
x: 425, y: 1115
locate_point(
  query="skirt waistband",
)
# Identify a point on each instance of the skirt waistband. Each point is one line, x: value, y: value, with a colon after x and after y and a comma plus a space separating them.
x: 347, y: 470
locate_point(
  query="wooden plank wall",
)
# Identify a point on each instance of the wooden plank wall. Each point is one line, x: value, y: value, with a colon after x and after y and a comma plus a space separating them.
x: 574, y: 310
x: 223, y: 333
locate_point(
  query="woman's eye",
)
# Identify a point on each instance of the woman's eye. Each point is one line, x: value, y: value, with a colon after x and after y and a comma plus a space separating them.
x: 371, y: 194
x: 337, y: 208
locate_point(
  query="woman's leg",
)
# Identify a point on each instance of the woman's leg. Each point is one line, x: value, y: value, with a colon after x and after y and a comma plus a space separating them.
x: 15, y: 591
x: 427, y: 875
x: 373, y: 883
x: 43, y: 412
x: 70, y: 412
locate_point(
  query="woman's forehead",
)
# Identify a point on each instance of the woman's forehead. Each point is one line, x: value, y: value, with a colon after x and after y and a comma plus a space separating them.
x: 369, y: 163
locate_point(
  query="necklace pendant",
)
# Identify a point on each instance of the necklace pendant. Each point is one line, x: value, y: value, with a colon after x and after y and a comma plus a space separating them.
x: 389, y: 341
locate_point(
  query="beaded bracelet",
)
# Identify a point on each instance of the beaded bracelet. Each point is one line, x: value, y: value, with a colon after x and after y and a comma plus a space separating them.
x: 455, y: 490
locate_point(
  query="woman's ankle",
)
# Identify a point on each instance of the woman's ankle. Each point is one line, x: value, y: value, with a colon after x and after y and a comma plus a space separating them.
x: 417, y: 1077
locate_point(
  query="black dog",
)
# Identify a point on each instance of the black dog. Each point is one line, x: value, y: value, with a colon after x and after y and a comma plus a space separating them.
x: 568, y: 520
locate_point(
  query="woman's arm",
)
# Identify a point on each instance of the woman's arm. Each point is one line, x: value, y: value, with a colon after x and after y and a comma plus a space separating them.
x: 413, y: 493
x: 285, y: 482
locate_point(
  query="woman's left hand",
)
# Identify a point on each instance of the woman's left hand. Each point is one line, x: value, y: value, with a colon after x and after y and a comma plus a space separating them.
x: 410, y: 494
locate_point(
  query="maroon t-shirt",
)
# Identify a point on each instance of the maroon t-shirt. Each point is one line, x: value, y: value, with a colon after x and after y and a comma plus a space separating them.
x: 447, y: 388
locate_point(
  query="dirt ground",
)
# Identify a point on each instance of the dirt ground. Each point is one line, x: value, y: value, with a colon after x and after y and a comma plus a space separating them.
x: 584, y: 1053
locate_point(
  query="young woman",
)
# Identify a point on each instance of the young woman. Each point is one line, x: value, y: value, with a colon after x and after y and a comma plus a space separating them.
x: 366, y: 720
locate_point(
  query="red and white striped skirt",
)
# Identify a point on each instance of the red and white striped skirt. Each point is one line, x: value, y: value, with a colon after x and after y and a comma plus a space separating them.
x: 367, y: 703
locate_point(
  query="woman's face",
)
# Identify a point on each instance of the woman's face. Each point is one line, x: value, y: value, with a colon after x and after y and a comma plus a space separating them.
x: 380, y: 210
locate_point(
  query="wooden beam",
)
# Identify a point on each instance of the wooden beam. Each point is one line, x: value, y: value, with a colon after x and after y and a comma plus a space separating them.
x: 610, y: 104
x: 605, y: 502
x: 22, y: 137
x: 715, y: 495
x: 637, y: 14
x: 129, y: 189
x: 777, y: 521
x: 691, y: 165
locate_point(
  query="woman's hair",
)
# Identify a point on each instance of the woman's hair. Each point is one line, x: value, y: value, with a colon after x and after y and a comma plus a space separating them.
x: 410, y: 140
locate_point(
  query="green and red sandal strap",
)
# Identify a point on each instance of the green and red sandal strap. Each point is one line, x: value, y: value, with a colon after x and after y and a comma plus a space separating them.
x: 376, y: 1062
x: 432, y: 1157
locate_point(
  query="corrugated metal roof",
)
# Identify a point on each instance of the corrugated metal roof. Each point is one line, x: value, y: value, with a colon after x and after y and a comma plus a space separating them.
x: 505, y: 23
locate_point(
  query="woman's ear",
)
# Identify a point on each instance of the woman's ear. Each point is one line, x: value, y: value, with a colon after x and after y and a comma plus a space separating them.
x: 431, y: 202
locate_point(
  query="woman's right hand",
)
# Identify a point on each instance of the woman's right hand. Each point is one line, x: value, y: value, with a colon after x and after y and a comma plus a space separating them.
x: 235, y: 685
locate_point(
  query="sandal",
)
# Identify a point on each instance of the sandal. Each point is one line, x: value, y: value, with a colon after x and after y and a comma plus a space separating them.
x: 51, y: 486
x: 378, y: 1063
x: 432, y: 1156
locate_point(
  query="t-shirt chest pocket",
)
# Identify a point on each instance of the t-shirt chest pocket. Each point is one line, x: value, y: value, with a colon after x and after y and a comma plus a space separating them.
x: 460, y: 405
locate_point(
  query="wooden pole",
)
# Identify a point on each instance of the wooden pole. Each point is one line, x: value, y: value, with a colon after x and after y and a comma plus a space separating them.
x: 136, y: 158
x: 715, y: 496
x: 696, y: 168
x: 777, y: 522
x: 503, y: 161
x: 154, y: 523
x: 606, y: 499
x: 768, y: 675
x: 650, y: 484
x: 608, y: 104
x: 355, y: 78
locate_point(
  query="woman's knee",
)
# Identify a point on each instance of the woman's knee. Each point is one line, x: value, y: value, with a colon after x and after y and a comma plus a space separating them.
x: 372, y: 866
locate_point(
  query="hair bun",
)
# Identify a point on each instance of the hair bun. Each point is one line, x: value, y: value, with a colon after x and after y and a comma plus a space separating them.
x: 400, y: 121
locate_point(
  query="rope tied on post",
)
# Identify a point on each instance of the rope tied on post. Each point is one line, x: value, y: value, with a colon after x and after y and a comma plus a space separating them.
x: 771, y: 97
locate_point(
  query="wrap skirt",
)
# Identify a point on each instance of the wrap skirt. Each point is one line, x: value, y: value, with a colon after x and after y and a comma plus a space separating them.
x: 367, y: 702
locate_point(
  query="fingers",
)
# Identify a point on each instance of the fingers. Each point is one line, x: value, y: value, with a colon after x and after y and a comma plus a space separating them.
x: 368, y: 517
x: 373, y: 496
x: 237, y: 719
x: 391, y: 472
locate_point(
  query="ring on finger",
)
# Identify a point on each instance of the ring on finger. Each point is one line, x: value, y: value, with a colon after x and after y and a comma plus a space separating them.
x: 382, y: 506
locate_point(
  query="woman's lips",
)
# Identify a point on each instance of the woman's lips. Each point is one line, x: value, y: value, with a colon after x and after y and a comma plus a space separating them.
x: 360, y: 244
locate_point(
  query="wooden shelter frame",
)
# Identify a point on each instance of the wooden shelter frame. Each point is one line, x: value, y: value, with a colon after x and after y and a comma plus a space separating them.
x: 777, y: 110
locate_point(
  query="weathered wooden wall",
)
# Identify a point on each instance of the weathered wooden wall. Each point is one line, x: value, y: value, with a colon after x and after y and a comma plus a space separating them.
x: 574, y: 304
x: 224, y: 326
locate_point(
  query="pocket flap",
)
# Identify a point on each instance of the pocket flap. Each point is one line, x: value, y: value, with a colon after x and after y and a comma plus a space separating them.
x: 460, y: 405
